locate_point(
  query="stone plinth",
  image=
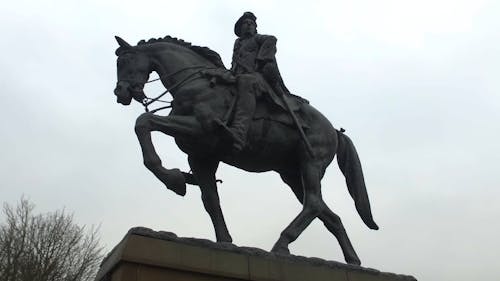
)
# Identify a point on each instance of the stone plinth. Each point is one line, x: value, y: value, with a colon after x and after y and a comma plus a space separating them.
x: 146, y: 255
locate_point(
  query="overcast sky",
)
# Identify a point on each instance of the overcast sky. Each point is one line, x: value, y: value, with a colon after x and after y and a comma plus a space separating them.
x: 414, y: 83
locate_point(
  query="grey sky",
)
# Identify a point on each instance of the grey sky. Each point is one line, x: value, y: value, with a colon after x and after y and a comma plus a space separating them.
x: 414, y: 83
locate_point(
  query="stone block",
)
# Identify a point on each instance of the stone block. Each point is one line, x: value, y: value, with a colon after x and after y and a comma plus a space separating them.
x: 146, y: 255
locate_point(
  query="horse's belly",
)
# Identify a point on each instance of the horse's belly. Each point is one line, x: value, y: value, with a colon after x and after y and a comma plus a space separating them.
x: 271, y: 146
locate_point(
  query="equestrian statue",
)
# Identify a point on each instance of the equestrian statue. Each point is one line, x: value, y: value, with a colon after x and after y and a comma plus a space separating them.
x: 245, y: 117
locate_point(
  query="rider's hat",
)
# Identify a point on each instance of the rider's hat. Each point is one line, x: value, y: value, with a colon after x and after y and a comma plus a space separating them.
x: 237, y: 25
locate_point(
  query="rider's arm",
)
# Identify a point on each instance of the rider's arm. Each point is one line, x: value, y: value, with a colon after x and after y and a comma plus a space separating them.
x: 266, y: 58
x: 267, y: 50
x: 235, y: 48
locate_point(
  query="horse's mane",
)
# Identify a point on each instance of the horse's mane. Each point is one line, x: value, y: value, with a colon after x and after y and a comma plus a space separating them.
x: 205, y: 52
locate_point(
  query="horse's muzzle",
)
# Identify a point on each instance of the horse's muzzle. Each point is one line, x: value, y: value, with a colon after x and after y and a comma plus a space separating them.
x: 122, y: 94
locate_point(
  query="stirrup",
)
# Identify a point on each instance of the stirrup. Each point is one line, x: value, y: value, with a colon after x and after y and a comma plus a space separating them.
x: 230, y: 135
x: 227, y: 133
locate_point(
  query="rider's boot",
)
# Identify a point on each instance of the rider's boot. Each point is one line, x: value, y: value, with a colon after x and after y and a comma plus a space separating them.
x: 245, y: 108
x: 238, y: 129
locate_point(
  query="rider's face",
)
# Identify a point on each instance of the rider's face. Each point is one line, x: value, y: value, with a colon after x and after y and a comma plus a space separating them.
x: 248, y: 28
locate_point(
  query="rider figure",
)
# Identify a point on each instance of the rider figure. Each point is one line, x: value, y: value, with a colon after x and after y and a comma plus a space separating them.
x: 253, y: 65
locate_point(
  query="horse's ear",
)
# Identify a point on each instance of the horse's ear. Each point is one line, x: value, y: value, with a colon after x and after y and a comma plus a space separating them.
x: 122, y: 42
x: 124, y: 46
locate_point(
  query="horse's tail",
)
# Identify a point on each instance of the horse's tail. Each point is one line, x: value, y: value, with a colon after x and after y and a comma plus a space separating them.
x: 349, y: 164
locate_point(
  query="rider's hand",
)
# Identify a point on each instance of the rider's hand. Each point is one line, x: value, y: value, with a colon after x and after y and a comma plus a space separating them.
x: 270, y: 72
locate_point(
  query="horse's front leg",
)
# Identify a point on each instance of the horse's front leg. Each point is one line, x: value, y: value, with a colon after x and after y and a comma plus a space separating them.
x: 175, y: 126
x: 204, y: 171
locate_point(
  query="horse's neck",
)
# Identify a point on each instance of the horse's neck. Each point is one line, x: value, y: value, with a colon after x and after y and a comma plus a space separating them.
x: 175, y: 63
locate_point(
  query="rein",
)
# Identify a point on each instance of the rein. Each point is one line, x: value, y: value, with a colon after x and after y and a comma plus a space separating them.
x: 148, y: 101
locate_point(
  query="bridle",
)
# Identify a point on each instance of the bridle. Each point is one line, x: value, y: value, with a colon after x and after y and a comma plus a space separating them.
x: 147, y: 101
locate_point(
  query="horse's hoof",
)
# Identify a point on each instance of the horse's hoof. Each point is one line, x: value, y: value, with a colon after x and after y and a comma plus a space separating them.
x: 226, y: 244
x: 280, y: 250
x: 228, y: 239
x: 354, y: 261
x: 174, y: 180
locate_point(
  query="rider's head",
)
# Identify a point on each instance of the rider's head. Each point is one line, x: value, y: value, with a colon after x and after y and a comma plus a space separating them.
x: 246, y: 25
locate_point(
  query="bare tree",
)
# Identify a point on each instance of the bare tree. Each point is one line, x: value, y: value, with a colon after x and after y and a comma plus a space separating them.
x: 46, y: 247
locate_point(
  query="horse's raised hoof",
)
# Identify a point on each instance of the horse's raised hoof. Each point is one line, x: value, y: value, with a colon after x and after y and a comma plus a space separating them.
x: 174, y: 180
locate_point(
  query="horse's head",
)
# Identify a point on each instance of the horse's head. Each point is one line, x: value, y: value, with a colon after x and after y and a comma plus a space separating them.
x: 133, y: 68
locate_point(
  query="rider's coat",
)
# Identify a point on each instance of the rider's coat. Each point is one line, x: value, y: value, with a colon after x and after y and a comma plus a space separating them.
x: 257, y: 55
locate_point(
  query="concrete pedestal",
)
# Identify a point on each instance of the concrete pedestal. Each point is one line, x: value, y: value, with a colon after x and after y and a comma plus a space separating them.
x: 146, y: 255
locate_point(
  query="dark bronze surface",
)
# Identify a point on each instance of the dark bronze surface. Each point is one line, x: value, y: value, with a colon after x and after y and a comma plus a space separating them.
x: 244, y: 117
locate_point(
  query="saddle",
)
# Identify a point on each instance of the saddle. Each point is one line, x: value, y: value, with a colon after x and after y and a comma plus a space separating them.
x: 270, y: 105
x: 268, y: 110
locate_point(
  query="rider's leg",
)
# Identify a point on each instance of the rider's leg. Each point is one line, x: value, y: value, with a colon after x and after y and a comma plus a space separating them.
x: 245, y: 108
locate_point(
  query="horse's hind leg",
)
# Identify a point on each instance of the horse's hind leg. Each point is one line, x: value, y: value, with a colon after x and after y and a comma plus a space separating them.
x: 312, y: 203
x: 329, y: 219
x: 204, y: 172
x: 173, y: 126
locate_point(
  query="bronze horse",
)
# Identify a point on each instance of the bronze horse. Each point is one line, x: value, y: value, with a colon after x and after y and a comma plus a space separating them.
x: 272, y: 145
